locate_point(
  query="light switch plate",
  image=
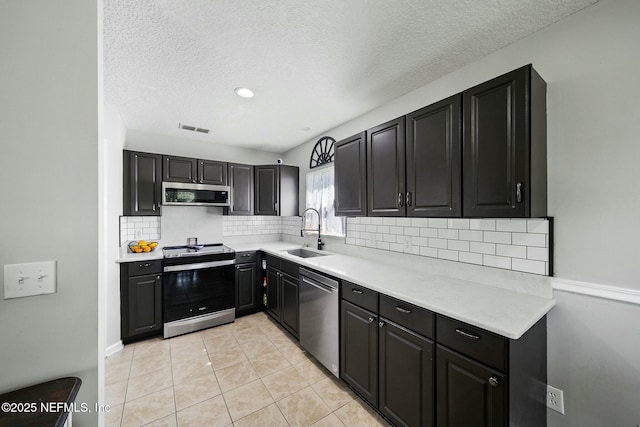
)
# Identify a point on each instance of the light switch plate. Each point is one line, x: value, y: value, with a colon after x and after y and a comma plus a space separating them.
x: 35, y: 278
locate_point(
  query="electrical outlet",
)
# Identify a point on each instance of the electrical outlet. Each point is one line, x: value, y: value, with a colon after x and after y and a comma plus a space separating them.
x: 555, y: 399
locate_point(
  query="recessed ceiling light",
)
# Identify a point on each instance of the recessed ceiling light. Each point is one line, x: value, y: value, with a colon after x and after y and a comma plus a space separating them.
x: 244, y: 92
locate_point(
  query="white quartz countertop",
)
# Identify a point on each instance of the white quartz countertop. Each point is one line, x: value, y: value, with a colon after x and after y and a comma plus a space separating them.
x: 126, y: 256
x: 504, y: 312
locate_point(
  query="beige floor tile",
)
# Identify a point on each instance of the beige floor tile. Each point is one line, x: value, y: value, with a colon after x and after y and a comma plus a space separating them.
x: 217, y: 331
x: 222, y: 342
x: 269, y: 416
x: 189, y: 350
x: 151, y: 347
x: 303, y: 408
x: 168, y: 421
x: 330, y: 420
x: 334, y: 394
x: 311, y: 372
x: 211, y: 413
x: 191, y: 369
x: 269, y: 363
x: 148, y: 408
x: 258, y: 347
x: 114, y: 416
x: 144, y: 365
x: 249, y: 335
x: 117, y: 372
x: 225, y: 358
x: 235, y: 376
x: 358, y: 414
x: 292, y: 352
x: 149, y: 383
x: 247, y: 399
x: 186, y: 339
x: 124, y: 355
x: 115, y: 393
x: 284, y: 382
x: 195, y: 391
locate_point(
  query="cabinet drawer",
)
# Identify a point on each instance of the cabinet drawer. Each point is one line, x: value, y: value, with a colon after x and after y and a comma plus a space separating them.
x: 474, y: 342
x: 360, y: 295
x: 290, y: 268
x: 273, y: 261
x: 244, y: 257
x: 144, y: 267
x: 408, y: 315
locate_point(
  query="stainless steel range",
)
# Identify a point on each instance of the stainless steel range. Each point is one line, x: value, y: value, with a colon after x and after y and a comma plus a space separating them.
x: 198, y: 287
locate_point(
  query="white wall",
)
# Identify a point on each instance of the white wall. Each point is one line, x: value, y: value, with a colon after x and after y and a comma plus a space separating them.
x: 114, y: 138
x: 49, y: 139
x: 590, y: 62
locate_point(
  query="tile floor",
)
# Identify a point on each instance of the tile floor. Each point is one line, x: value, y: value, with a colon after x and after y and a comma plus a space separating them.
x: 247, y: 373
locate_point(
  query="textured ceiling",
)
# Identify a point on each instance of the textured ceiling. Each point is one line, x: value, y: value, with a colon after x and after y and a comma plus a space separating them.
x: 313, y: 64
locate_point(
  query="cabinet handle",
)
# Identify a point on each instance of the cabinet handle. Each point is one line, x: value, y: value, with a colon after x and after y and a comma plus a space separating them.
x: 402, y: 310
x: 493, y: 381
x: 371, y: 319
x: 237, y: 267
x: 467, y: 334
x: 356, y: 291
x: 519, y: 192
x: 246, y: 255
x: 408, y: 199
x: 380, y: 324
x: 400, y: 200
x: 158, y: 277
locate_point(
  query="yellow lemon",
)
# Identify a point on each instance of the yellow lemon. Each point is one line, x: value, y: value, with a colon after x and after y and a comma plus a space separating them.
x: 147, y: 249
x: 142, y: 242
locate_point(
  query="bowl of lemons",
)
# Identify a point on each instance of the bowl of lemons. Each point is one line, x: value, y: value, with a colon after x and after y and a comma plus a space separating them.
x: 142, y: 246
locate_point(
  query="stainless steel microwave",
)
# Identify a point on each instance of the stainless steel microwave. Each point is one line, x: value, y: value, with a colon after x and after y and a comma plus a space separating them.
x: 187, y: 194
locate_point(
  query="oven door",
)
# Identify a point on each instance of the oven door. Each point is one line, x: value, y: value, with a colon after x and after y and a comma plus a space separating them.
x: 195, y: 289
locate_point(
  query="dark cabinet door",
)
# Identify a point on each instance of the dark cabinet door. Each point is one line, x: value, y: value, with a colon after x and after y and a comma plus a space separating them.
x: 351, y: 176
x: 434, y: 160
x: 469, y: 393
x: 273, y: 293
x: 142, y: 190
x: 241, y: 183
x: 406, y: 376
x: 386, y: 169
x: 359, y: 350
x: 267, y: 190
x: 179, y: 169
x: 246, y: 288
x: 145, y: 304
x: 212, y: 172
x: 288, y: 186
x: 496, y: 146
x: 289, y: 311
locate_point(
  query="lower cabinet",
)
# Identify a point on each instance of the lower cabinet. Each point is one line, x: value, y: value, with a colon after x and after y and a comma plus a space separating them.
x: 248, y: 283
x: 283, y: 293
x: 140, y: 300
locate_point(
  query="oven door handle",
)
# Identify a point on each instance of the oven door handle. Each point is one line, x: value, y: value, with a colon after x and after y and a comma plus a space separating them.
x: 198, y: 266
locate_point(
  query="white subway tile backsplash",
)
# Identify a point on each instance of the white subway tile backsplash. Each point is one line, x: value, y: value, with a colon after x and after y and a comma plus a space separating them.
x: 482, y: 248
x: 411, y: 231
x: 497, y: 237
x: 447, y: 254
x: 447, y: 234
x: 383, y: 229
x: 403, y: 222
x: 388, y: 221
x: 538, y: 254
x: 438, y: 223
x: 470, y: 258
x: 376, y: 221
x: 396, y: 247
x: 420, y: 241
x: 473, y: 235
x: 482, y: 224
x: 438, y: 243
x: 429, y: 232
x: 512, y: 225
x: 529, y: 239
x: 458, y: 223
x: 396, y: 230
x: 538, y: 226
x: 511, y: 251
x: 383, y: 245
x: 419, y: 222
x: 497, y: 261
x: 458, y: 245
x: 528, y: 266
x: 430, y: 252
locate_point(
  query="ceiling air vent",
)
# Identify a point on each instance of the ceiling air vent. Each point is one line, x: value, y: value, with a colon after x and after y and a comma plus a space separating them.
x: 193, y: 128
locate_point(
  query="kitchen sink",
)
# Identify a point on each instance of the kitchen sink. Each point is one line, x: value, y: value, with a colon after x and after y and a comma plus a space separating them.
x: 304, y: 253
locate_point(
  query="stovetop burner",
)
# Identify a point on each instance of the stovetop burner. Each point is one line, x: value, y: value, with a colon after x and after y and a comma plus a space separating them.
x: 196, y: 250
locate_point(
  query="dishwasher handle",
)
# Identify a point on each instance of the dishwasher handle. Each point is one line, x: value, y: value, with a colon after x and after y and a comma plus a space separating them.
x: 318, y: 278
x: 321, y: 286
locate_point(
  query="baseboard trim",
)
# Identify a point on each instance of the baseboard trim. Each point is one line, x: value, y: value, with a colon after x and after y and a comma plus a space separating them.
x: 614, y: 293
x: 114, y: 348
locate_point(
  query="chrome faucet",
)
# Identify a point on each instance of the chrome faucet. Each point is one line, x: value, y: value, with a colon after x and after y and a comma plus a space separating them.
x: 303, y: 229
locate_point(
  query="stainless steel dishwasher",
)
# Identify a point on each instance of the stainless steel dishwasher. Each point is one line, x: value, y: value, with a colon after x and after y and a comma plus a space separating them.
x: 319, y: 317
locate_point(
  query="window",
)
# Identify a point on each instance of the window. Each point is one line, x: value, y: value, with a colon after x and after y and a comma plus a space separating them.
x: 320, y: 195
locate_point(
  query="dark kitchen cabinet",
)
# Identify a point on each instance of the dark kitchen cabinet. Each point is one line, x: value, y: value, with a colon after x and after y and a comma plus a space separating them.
x: 276, y: 190
x: 386, y: 169
x: 186, y: 169
x: 142, y: 179
x: 283, y: 293
x: 433, y: 159
x: 140, y: 300
x: 351, y: 176
x: 241, y: 183
x: 359, y: 350
x: 248, y: 284
x: 504, y: 149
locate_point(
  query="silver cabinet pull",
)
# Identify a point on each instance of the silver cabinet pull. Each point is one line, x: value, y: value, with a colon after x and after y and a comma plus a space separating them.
x: 467, y: 334
x: 246, y: 255
x: 408, y: 199
x: 371, y: 319
x: 381, y: 324
x: 400, y: 200
x: 402, y: 310
x: 519, y: 192
x: 356, y: 291
x: 493, y: 381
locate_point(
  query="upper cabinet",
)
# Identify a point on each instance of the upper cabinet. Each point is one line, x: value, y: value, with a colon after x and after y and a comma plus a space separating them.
x: 241, y: 183
x: 186, y: 169
x: 276, y: 190
x: 142, y: 190
x: 351, y: 176
x: 433, y: 157
x: 505, y: 162
x: 386, y: 169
